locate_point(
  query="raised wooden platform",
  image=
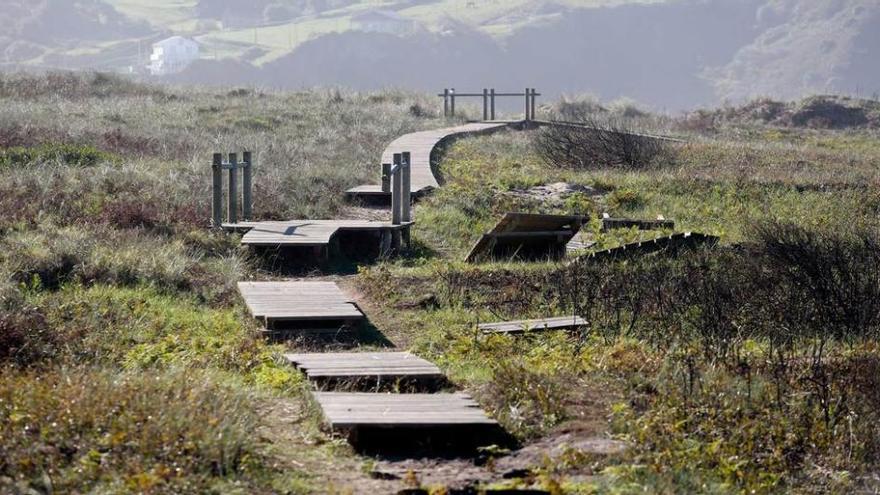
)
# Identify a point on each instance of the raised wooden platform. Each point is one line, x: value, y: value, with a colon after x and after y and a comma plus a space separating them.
x: 527, y: 235
x: 309, y: 233
x: 523, y: 326
x: 298, y: 302
x: 421, y: 146
x: 358, y: 365
x: 344, y: 410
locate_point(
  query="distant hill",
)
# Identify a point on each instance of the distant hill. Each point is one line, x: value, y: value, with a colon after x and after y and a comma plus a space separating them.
x: 805, y: 47
x: 35, y: 28
x: 669, y: 54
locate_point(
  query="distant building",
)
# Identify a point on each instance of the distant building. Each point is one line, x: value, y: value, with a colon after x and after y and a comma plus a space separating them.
x: 383, y: 21
x: 173, y: 55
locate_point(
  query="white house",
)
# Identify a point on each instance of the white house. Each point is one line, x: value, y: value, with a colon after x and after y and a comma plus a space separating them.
x: 383, y: 21
x: 173, y: 55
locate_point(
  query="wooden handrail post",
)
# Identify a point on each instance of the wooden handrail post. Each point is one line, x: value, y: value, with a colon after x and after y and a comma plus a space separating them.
x: 446, y: 102
x: 386, y: 177
x: 528, y: 92
x: 232, y: 209
x: 534, y: 97
x: 247, y: 207
x: 452, y: 102
x: 406, y: 193
x: 485, y: 104
x: 492, y: 103
x: 217, y: 191
x: 396, y: 189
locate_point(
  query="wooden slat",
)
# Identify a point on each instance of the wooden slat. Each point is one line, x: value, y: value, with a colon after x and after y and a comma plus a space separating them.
x: 364, y: 364
x: 522, y: 326
x: 308, y: 233
x: 298, y: 301
x: 351, y: 410
x: 672, y: 243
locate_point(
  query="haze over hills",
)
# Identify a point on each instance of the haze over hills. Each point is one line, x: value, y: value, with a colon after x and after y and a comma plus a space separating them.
x: 670, y: 54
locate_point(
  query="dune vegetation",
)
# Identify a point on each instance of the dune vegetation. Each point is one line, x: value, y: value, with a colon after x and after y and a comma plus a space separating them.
x: 129, y: 364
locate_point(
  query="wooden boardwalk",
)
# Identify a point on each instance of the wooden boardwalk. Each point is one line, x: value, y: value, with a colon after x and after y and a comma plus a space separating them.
x: 523, y: 326
x: 421, y: 146
x: 298, y: 302
x: 309, y: 233
x: 344, y: 410
x: 357, y: 365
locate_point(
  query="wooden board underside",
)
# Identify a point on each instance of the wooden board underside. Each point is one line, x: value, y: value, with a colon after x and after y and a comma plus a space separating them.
x: 522, y: 326
x: 296, y: 301
x: 363, y: 364
x: 349, y: 410
x: 528, y: 228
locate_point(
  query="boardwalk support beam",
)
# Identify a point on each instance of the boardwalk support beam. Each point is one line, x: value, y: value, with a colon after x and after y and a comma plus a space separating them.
x: 232, y: 210
x: 247, y: 202
x: 217, y: 191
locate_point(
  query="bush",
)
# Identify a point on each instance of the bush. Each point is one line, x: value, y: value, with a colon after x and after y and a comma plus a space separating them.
x: 65, y: 154
x: 590, y: 143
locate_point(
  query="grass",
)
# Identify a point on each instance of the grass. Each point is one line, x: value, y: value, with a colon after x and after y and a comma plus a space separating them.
x: 130, y: 365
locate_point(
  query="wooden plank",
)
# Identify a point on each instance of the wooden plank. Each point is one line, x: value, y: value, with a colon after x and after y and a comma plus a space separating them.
x: 628, y: 223
x: 522, y: 326
x: 351, y: 410
x: 309, y: 233
x: 672, y: 243
x: 298, y: 301
x: 364, y: 364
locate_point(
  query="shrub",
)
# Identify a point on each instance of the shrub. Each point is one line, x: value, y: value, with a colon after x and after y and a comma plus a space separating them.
x: 591, y: 143
x: 526, y: 402
x: 66, y: 154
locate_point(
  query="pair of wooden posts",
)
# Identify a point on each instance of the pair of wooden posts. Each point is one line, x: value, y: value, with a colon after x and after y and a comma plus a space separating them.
x: 247, y: 199
x: 489, y: 95
x: 397, y: 179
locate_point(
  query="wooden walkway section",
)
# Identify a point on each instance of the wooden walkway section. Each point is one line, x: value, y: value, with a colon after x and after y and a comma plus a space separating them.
x: 421, y: 146
x: 358, y: 365
x: 344, y: 410
x: 672, y: 243
x: 309, y: 233
x: 298, y: 302
x: 527, y: 235
x: 523, y: 326
x: 628, y: 223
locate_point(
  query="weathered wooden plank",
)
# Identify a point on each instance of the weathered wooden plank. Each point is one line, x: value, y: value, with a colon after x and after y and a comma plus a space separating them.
x: 671, y: 243
x: 364, y: 364
x: 350, y: 410
x: 308, y: 233
x: 522, y: 326
x: 298, y: 301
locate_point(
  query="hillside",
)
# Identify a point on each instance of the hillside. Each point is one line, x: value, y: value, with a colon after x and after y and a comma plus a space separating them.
x: 672, y: 54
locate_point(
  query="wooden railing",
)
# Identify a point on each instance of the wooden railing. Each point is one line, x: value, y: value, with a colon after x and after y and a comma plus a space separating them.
x: 489, y: 96
x: 247, y: 203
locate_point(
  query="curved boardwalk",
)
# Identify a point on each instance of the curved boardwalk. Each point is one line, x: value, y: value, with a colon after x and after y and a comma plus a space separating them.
x: 421, y: 145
